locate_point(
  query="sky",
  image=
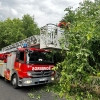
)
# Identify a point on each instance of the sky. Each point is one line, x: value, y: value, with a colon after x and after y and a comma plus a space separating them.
x: 43, y: 11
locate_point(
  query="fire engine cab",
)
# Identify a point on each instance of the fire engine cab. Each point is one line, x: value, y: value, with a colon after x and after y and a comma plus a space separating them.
x: 30, y: 61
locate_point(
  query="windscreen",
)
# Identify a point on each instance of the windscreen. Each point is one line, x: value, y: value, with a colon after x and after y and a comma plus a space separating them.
x: 40, y: 57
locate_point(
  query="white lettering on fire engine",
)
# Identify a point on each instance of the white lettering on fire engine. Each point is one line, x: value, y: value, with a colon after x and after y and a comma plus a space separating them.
x: 41, y: 68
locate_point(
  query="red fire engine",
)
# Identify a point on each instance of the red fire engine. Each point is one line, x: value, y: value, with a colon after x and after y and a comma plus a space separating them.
x: 29, y: 62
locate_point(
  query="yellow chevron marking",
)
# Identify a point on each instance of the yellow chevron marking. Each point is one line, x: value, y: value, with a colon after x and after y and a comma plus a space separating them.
x: 1, y: 64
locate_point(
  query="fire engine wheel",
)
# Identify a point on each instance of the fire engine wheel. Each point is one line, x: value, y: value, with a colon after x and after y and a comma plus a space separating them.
x: 15, y: 81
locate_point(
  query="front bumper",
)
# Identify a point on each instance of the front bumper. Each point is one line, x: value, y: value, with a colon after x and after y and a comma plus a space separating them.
x: 35, y: 81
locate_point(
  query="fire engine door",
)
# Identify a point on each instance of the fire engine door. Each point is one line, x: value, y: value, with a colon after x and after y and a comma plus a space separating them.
x: 19, y: 59
x: 2, y: 67
x: 10, y: 62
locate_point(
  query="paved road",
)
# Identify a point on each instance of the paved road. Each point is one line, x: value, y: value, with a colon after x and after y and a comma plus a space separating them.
x: 8, y: 93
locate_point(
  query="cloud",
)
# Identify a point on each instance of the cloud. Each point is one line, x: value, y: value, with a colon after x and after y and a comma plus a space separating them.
x: 44, y: 11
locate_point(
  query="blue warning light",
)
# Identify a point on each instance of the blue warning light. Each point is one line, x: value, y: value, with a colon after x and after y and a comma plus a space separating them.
x: 25, y: 45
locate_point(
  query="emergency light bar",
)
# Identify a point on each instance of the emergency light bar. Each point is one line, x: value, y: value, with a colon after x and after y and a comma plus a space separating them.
x: 25, y: 45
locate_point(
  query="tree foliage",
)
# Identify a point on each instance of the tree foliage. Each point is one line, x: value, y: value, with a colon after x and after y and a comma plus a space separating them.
x: 30, y: 27
x: 13, y: 30
x: 83, y: 58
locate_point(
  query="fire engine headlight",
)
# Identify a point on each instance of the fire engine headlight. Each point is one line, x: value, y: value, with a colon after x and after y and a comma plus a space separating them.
x: 52, y: 78
x: 29, y: 74
x: 27, y: 81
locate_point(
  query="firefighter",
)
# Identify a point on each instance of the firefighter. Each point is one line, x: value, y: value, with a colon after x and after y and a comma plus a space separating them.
x: 64, y: 24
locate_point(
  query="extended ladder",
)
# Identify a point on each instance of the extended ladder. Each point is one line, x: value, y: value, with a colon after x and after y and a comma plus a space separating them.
x: 49, y: 38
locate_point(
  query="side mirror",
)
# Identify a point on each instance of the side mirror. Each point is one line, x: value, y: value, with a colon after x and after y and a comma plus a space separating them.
x: 17, y: 60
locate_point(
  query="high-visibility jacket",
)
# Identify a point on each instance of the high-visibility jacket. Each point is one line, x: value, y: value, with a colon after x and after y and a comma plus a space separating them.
x: 62, y: 24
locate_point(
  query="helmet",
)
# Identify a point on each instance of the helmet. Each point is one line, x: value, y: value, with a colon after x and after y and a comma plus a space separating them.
x: 63, y: 20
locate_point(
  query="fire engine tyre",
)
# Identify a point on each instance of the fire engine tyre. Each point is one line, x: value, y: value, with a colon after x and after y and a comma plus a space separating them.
x: 14, y: 81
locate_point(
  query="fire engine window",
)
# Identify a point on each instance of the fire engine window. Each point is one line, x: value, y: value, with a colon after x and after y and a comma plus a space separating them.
x: 34, y: 57
x: 40, y: 56
x: 21, y: 57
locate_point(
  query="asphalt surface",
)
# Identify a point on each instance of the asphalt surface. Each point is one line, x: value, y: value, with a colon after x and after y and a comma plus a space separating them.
x: 7, y: 92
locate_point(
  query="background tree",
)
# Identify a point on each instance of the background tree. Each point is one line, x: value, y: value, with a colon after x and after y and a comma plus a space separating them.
x: 14, y: 30
x: 30, y: 27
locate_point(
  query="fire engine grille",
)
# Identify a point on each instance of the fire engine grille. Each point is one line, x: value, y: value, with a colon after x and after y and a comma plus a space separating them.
x: 43, y: 73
